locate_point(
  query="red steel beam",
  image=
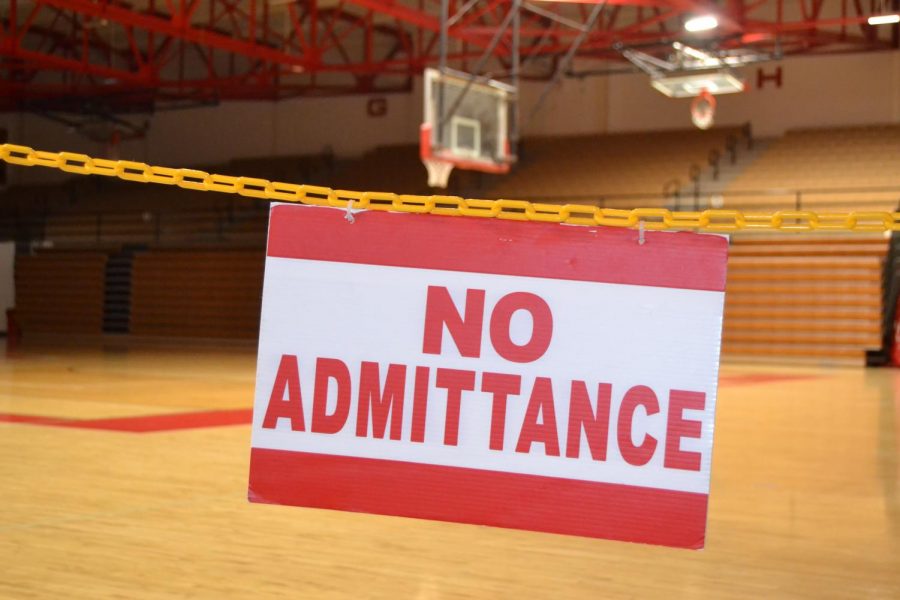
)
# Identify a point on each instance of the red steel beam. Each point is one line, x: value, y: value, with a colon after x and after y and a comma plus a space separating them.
x: 178, y: 27
x: 49, y: 61
x: 39, y: 46
x: 420, y: 19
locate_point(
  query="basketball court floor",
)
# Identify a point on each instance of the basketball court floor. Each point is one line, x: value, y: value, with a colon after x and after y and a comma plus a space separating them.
x: 107, y: 495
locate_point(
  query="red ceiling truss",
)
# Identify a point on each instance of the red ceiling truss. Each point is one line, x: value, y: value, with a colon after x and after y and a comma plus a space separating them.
x: 141, y: 55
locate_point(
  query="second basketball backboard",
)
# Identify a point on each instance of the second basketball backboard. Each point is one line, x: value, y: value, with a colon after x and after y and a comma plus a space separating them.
x: 466, y: 124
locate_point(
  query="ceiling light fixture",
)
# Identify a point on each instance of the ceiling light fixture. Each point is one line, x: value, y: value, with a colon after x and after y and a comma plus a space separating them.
x: 884, y: 19
x: 701, y: 23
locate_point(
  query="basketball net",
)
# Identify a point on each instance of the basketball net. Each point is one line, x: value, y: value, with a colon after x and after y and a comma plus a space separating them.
x: 438, y: 171
x: 703, y: 110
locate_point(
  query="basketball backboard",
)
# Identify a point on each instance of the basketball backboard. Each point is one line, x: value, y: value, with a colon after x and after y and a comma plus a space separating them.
x: 466, y: 124
x: 691, y: 85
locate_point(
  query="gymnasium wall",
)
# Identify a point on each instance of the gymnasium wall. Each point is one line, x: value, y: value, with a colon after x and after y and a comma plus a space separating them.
x: 815, y: 91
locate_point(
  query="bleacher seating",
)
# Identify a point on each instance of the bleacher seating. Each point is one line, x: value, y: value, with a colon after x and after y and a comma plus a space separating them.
x: 197, y: 293
x: 68, y: 230
x: 821, y: 162
x: 312, y: 169
x: 241, y: 225
x: 606, y: 166
x: 60, y: 292
x: 385, y: 169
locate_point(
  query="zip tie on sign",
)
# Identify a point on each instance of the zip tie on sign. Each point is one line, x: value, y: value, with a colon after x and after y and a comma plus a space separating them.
x: 641, y: 239
x: 350, y: 212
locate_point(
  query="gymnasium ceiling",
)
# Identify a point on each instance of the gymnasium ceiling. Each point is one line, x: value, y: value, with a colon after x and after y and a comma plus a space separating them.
x: 144, y: 55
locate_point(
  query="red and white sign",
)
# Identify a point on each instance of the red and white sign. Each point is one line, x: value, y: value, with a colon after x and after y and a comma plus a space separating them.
x: 526, y: 375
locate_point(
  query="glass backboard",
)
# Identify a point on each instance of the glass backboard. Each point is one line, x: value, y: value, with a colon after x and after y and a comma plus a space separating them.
x: 466, y: 124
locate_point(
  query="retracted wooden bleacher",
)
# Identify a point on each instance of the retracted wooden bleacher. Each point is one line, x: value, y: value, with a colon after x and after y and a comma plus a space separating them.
x: 804, y: 296
x: 60, y: 292
x: 197, y: 293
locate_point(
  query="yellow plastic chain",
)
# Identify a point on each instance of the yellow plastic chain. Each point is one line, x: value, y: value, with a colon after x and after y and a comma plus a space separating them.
x: 520, y: 210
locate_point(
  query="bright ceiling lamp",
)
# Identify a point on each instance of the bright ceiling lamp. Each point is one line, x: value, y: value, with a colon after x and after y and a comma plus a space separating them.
x: 701, y: 23
x: 884, y: 19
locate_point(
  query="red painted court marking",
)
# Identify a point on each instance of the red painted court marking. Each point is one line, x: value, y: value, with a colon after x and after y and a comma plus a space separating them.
x: 761, y: 378
x: 387, y: 487
x: 244, y: 416
x: 33, y: 420
x: 143, y: 423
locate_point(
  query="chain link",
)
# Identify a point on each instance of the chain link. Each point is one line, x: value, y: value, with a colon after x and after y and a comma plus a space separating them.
x: 519, y: 210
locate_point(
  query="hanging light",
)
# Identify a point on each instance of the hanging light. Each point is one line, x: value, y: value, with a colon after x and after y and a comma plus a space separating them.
x: 884, y: 19
x: 701, y: 23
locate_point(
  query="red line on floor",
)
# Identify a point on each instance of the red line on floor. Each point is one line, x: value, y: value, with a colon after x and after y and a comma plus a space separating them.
x: 244, y: 416
x: 33, y: 420
x: 143, y: 423
x: 760, y: 378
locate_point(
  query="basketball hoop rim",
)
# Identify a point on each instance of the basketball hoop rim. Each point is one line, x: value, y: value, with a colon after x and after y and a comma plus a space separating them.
x: 700, y: 119
x: 426, y: 153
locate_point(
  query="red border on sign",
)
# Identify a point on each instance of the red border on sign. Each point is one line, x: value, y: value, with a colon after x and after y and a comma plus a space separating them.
x: 512, y: 500
x: 500, y: 247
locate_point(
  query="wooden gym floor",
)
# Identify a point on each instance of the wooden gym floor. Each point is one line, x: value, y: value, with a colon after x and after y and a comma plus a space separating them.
x: 125, y: 504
